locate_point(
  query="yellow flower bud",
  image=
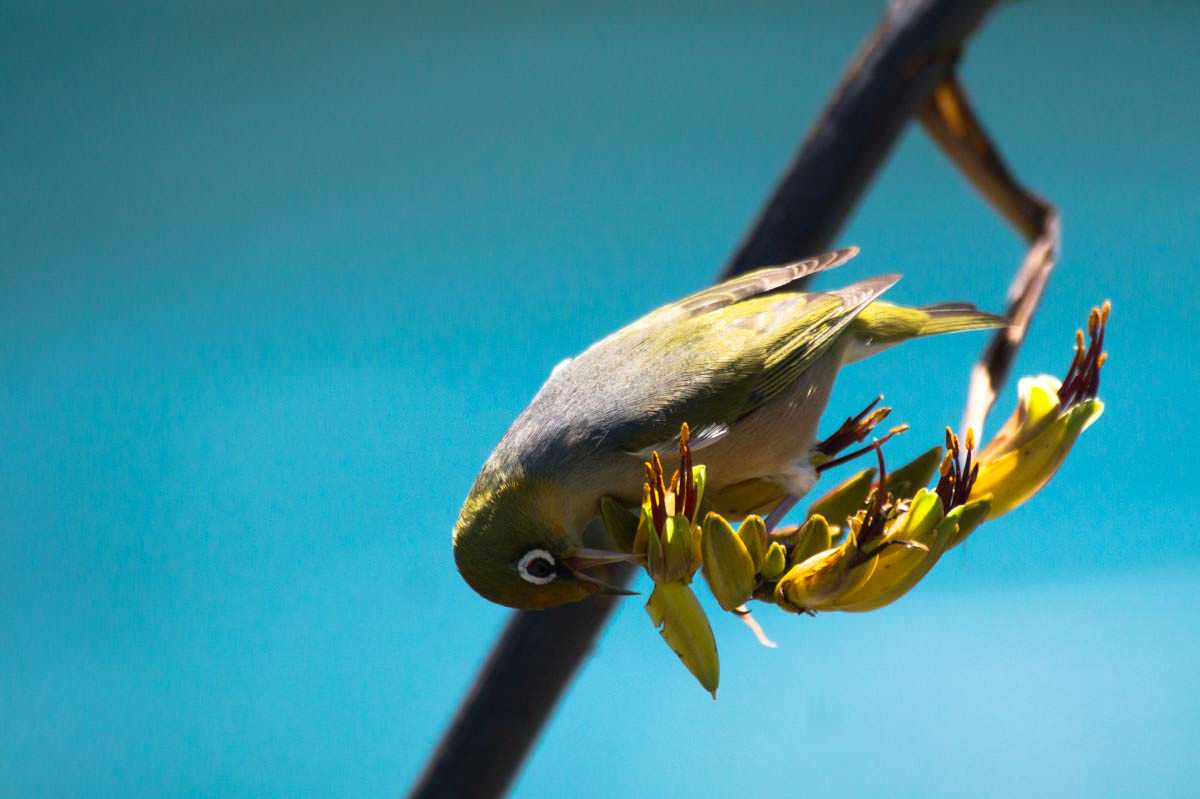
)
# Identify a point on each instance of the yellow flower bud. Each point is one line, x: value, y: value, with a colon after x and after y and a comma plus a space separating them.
x: 912, y: 546
x: 1012, y: 476
x: 1049, y: 417
x: 818, y: 582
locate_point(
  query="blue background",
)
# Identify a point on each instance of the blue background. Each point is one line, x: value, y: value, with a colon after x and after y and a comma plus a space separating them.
x: 273, y: 282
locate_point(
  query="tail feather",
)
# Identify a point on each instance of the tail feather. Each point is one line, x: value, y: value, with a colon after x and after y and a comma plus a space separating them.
x: 955, y: 317
x: 948, y: 307
x: 882, y: 325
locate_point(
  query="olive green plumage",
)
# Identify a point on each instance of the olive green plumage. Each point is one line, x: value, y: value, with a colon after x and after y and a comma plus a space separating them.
x: 747, y: 364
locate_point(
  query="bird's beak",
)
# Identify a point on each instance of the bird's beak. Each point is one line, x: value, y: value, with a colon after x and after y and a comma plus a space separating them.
x: 580, y: 560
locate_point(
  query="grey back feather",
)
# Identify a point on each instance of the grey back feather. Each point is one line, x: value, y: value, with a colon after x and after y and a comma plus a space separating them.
x: 628, y: 391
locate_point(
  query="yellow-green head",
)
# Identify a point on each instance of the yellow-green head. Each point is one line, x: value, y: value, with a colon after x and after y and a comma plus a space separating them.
x: 511, y: 547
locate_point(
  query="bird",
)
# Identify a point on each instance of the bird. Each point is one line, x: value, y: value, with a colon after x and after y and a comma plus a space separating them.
x: 748, y: 364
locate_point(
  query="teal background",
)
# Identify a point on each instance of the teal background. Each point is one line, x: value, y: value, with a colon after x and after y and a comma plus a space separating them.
x: 274, y: 280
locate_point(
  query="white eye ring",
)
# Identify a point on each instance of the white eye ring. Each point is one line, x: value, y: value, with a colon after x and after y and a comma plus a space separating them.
x: 528, y: 558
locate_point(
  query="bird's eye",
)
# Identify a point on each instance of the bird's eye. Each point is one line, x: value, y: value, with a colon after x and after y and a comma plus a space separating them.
x: 537, y: 566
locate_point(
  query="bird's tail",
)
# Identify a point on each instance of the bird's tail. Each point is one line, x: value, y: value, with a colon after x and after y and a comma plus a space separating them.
x: 881, y: 325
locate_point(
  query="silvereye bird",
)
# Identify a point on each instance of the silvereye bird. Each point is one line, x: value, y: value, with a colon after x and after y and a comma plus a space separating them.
x: 748, y: 364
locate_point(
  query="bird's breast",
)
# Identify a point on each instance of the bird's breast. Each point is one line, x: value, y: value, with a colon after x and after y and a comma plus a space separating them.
x: 776, y: 440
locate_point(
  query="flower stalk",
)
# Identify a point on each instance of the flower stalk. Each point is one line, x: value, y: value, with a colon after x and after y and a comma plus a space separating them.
x: 868, y: 541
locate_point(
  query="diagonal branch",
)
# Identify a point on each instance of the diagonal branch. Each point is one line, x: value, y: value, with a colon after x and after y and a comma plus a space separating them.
x: 950, y: 121
x: 912, y: 49
x: 516, y: 689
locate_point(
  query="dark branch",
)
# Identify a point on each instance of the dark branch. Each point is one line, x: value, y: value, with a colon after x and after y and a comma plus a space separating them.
x: 514, y: 693
x: 911, y: 50
x: 951, y: 122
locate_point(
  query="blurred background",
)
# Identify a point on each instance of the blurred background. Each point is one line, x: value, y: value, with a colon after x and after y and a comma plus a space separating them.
x: 274, y: 280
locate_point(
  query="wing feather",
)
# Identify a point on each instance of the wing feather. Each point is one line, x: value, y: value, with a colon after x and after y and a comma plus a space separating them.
x: 760, y: 281
x: 725, y: 363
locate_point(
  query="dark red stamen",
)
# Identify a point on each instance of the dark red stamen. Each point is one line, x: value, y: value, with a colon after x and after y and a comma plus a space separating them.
x: 958, y: 474
x: 849, y: 456
x: 682, y: 484
x: 1083, y: 375
x: 658, y: 492
x: 878, y: 505
x: 685, y: 502
x: 854, y: 429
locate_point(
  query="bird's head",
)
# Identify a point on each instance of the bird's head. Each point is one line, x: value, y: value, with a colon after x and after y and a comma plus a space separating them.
x: 512, y: 546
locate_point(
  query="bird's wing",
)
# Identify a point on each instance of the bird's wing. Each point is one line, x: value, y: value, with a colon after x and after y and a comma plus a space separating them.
x: 760, y: 281
x: 722, y: 363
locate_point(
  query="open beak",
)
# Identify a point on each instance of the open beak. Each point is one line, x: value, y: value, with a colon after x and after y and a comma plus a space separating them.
x: 581, y: 560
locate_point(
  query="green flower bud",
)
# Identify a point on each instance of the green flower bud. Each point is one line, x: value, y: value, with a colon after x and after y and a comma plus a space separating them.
x: 753, y: 533
x: 813, y: 536
x: 622, y: 525
x: 699, y: 480
x: 775, y: 561
x: 656, y: 562
x: 678, y: 617
x: 727, y: 566
x: 678, y: 550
